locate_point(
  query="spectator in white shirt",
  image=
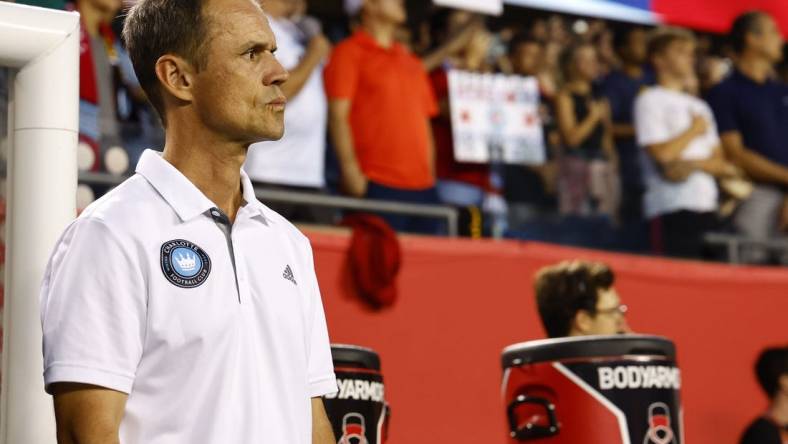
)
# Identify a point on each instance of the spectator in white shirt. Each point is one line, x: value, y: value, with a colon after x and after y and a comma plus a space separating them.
x: 681, y: 150
x: 298, y: 159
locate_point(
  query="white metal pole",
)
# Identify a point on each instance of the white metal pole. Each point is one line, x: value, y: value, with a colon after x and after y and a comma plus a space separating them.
x: 42, y: 184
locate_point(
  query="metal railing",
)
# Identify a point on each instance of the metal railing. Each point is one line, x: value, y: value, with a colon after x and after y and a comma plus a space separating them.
x: 734, y: 244
x: 448, y: 214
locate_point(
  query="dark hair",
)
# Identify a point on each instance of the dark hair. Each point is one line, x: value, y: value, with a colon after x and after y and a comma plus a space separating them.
x: 154, y: 28
x: 522, y: 39
x: 663, y: 38
x: 564, y: 289
x: 771, y: 365
x: 745, y: 24
x: 622, y: 33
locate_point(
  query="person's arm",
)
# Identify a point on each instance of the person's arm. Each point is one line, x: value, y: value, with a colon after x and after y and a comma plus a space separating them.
x: 317, y: 50
x: 670, y: 151
x: 784, y: 216
x: 619, y: 112
x: 454, y: 44
x: 431, y: 153
x: 322, y: 432
x: 755, y: 165
x: 718, y: 166
x: 342, y: 136
x: 623, y: 131
x: 727, y: 112
x: 608, y: 142
x: 87, y: 414
x: 93, y: 329
x: 574, y: 133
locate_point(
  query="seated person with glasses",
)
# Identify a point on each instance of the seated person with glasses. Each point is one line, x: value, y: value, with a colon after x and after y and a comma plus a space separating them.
x: 577, y: 298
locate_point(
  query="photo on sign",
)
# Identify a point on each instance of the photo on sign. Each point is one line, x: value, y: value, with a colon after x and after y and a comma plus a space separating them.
x: 496, y: 113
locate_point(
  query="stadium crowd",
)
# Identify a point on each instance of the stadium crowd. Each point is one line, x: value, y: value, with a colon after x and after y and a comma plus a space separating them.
x: 655, y: 137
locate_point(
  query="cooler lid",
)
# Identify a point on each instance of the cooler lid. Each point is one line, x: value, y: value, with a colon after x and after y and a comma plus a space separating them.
x: 353, y: 355
x: 560, y: 349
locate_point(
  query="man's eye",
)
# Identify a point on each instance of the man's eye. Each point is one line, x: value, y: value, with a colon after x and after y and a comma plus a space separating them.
x: 251, y: 55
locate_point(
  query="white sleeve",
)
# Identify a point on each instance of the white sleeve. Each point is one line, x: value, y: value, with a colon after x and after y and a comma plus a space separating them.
x: 322, y: 380
x: 93, y: 309
x: 650, y: 126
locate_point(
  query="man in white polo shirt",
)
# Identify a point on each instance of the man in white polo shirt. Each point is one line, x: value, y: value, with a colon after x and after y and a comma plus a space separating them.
x: 178, y: 309
x: 682, y: 154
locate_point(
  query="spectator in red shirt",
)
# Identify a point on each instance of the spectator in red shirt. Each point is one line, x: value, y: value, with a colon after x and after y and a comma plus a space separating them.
x: 380, y: 105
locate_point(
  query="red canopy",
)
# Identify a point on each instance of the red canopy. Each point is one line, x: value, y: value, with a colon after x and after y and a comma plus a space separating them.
x: 717, y: 15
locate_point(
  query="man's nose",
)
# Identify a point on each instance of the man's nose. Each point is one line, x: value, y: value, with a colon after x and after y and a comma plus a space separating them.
x: 277, y: 75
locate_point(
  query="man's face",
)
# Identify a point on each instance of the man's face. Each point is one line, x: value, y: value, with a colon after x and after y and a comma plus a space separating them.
x: 392, y: 11
x: 637, y: 47
x: 768, y: 41
x: 587, y: 63
x: 678, y: 59
x: 609, y: 318
x: 237, y: 92
x: 527, y: 59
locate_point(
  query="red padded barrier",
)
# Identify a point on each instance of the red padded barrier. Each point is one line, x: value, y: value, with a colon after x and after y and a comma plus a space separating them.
x: 462, y: 301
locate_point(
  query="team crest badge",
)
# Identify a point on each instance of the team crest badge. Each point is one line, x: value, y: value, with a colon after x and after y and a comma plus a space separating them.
x: 184, y: 264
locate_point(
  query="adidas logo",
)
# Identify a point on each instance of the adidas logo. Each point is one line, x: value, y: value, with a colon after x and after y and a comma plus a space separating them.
x: 288, y: 274
x: 187, y: 263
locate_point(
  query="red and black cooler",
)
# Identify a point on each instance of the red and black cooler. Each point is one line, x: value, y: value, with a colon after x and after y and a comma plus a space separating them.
x: 358, y: 412
x: 597, y: 389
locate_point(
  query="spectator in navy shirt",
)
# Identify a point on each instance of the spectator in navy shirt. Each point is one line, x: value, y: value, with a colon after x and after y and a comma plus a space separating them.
x: 771, y: 427
x: 751, y: 110
x: 621, y: 87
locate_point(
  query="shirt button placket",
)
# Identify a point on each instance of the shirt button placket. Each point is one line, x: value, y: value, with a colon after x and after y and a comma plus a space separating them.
x: 243, y: 285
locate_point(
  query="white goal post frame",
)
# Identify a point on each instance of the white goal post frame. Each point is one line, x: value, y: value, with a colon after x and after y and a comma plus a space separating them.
x: 42, y: 47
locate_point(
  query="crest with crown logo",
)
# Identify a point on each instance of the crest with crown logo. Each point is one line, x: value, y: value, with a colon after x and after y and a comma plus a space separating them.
x: 184, y: 264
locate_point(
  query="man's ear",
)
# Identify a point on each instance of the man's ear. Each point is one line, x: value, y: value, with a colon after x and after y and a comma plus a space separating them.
x: 176, y: 76
x: 582, y: 323
x: 783, y: 383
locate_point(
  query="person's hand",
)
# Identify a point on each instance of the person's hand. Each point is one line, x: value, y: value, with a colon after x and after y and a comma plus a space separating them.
x: 699, y: 125
x: 599, y: 110
x: 784, y: 217
x: 679, y: 171
x: 479, y: 45
x: 459, y: 41
x: 721, y: 168
x: 614, y: 163
x: 727, y: 170
x: 355, y: 182
x: 319, y: 46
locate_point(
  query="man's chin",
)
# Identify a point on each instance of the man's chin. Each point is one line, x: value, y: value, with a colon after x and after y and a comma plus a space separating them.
x: 269, y: 135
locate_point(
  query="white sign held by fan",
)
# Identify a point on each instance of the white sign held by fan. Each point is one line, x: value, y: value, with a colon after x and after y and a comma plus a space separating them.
x: 496, y: 110
x: 493, y: 7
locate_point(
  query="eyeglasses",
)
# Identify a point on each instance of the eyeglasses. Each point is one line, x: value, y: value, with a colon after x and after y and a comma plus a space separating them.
x: 620, y: 309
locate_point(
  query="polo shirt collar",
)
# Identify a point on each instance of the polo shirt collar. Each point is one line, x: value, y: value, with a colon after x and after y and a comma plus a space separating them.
x: 365, y: 39
x: 181, y: 194
x: 250, y: 197
x: 741, y: 77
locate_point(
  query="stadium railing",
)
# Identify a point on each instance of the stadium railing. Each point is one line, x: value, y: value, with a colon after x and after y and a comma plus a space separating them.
x: 735, y: 245
x: 441, y: 212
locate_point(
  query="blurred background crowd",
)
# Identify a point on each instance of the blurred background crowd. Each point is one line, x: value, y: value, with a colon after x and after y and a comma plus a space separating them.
x: 656, y: 139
